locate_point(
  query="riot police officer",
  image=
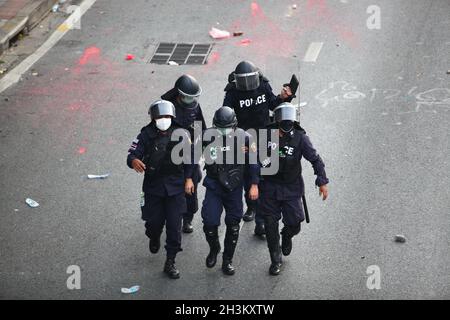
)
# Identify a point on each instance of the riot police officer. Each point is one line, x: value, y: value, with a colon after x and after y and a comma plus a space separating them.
x: 281, y: 193
x: 164, y: 183
x: 250, y: 95
x: 185, y: 96
x: 224, y: 185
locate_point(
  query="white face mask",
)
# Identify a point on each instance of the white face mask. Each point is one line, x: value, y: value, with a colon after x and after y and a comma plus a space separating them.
x: 163, y: 124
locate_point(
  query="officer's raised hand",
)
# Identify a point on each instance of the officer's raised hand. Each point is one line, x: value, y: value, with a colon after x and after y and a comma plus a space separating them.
x: 323, y: 191
x: 285, y: 92
x: 253, y: 192
x: 138, y: 165
x: 189, y: 187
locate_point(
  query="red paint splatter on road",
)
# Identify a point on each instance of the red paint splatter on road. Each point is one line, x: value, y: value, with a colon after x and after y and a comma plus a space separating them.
x: 244, y: 42
x: 91, y: 54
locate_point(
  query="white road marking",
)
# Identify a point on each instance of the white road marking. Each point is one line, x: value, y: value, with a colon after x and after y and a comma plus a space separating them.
x: 14, y: 75
x: 313, y: 52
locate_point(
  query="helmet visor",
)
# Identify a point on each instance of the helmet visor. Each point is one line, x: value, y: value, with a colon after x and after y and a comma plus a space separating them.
x: 247, y: 81
x: 285, y: 112
x: 162, y: 108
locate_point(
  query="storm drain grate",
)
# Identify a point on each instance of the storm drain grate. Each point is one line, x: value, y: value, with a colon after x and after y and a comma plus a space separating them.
x: 181, y: 53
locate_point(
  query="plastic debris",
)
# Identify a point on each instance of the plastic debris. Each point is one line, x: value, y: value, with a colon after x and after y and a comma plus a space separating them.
x: 400, y: 238
x: 130, y: 290
x: 294, y: 6
x: 55, y: 8
x: 31, y: 203
x: 448, y: 71
x: 98, y: 176
x: 34, y: 74
x: 245, y: 42
x: 303, y: 104
x: 237, y: 34
x: 129, y: 57
x: 2, y: 71
x: 219, y: 34
x: 172, y: 63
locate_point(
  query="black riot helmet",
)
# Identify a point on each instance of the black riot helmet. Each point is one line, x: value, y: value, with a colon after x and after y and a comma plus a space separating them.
x: 246, y: 76
x: 224, y: 117
x: 161, y: 108
x: 285, y: 115
x: 188, y: 89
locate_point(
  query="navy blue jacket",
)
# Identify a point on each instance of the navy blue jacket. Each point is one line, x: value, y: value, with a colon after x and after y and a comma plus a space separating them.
x: 275, y: 187
x: 169, y: 180
x: 252, y: 170
x: 252, y: 107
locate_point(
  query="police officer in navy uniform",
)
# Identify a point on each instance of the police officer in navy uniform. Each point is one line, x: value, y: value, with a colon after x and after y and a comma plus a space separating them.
x: 164, y: 183
x: 185, y: 96
x: 250, y: 95
x: 224, y: 186
x: 280, y: 194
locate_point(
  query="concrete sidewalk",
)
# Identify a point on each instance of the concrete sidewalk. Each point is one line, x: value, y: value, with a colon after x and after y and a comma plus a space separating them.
x: 20, y: 15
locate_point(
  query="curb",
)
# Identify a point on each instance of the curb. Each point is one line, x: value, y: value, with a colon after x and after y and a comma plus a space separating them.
x: 26, y: 19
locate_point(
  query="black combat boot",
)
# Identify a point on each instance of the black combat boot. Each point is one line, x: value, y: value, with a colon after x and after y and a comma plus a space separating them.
x: 231, y: 238
x: 212, y: 237
x: 170, y: 269
x: 286, y: 239
x: 187, y: 225
x: 273, y: 243
x: 249, y: 215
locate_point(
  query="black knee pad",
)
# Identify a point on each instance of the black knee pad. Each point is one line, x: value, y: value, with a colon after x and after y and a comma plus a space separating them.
x: 210, y: 230
x: 233, y: 229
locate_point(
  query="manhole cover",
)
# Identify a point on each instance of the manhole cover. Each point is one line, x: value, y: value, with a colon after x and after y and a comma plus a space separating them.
x: 181, y: 53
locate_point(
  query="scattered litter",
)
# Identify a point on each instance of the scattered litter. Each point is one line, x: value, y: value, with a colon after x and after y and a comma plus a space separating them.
x: 16, y: 210
x: 302, y: 104
x: 294, y: 6
x: 398, y: 124
x: 2, y: 71
x: 129, y: 57
x: 363, y: 257
x: 172, y: 63
x: 219, y: 34
x: 55, y: 8
x: 400, y: 238
x: 98, y: 176
x: 130, y: 290
x: 245, y: 41
x: 35, y: 74
x: 31, y: 203
x: 66, y: 69
x: 238, y: 33
x: 448, y: 71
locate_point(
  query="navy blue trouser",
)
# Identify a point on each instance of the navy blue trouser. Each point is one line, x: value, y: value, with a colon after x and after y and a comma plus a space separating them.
x: 217, y: 199
x: 274, y: 202
x: 158, y: 211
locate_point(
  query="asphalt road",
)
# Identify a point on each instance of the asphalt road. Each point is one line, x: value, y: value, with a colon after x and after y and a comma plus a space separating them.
x: 378, y: 111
